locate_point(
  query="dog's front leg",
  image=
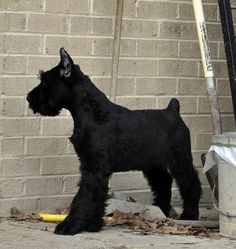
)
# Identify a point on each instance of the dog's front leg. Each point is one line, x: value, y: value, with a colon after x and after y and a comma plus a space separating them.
x: 87, y: 208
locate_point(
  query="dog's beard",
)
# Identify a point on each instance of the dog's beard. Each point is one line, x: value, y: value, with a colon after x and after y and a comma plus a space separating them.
x: 45, y: 110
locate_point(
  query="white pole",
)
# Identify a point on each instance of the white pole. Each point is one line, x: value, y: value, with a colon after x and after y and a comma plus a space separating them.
x: 207, y: 65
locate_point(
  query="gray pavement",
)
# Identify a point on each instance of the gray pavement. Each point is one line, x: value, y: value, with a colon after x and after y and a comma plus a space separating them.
x: 38, y: 235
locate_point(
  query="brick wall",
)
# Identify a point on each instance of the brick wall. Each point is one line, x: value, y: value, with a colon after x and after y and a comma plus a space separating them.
x: 159, y: 59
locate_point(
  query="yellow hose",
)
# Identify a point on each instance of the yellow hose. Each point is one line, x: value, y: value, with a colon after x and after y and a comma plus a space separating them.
x: 52, y: 217
x: 60, y: 217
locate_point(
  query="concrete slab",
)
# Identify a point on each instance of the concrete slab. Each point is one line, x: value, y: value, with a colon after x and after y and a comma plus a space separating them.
x: 31, y: 235
x: 146, y: 196
x: 151, y: 213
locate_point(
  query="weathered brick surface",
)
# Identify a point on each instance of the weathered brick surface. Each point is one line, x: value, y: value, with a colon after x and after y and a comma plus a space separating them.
x: 95, y: 66
x: 157, y: 9
x: 42, y: 186
x: 178, y: 68
x: 221, y: 51
x: 125, y: 86
x: 91, y: 26
x: 203, y: 141
x: 17, y: 86
x: 20, y: 167
x: 108, y: 8
x: 186, y: 12
x: 220, y: 69
x: 72, y: 6
x: 21, y: 126
x: 55, y: 202
x: 14, y: 64
x: 130, y: 180
x: 46, y: 146
x: 27, y: 44
x: 59, y: 126
x: 48, y: 23
x: 12, y: 147
x: 35, y: 63
x: 223, y: 87
x: 190, y: 49
x: 137, y: 103
x: 178, y: 30
x: 79, y: 46
x: 160, y: 59
x: 1, y: 64
x: 23, y: 5
x: 26, y: 205
x: 191, y: 86
x: 12, y: 22
x: 59, y: 165
x: 131, y: 67
x: 156, y: 86
x: 13, y: 106
x: 70, y: 184
x: 104, y: 47
x: 138, y: 28
x: 1, y: 43
x: 203, y: 105
x: 198, y: 123
x: 225, y: 104
x: 11, y: 188
x: 228, y: 123
x: 214, y: 32
x: 157, y: 48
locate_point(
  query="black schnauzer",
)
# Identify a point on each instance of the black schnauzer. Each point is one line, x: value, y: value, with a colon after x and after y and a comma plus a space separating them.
x: 110, y: 138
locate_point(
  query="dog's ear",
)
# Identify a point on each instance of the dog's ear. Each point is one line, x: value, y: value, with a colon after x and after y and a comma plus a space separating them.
x: 66, y: 63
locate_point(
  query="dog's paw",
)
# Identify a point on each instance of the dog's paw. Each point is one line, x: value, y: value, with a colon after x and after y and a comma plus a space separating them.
x: 189, y: 216
x: 69, y: 226
x: 96, y: 225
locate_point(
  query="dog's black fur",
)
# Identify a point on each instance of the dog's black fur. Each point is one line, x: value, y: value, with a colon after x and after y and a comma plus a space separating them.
x: 110, y: 138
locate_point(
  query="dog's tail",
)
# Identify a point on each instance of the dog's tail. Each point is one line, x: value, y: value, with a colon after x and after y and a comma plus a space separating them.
x: 174, y: 105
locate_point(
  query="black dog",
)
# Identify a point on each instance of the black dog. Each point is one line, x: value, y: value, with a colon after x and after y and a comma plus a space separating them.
x: 110, y: 138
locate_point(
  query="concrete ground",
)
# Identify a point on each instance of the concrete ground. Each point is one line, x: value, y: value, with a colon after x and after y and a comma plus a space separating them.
x: 38, y: 235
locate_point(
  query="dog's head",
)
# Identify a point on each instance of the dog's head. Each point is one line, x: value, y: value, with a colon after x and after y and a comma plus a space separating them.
x: 54, y: 91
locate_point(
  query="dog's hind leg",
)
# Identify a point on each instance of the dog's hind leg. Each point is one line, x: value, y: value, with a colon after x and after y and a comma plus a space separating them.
x: 182, y: 169
x: 160, y: 182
